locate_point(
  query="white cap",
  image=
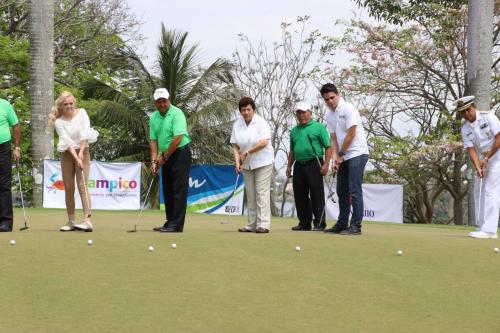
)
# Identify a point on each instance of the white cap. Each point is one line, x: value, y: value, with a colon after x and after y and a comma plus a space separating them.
x: 161, y: 93
x: 303, y: 106
x: 463, y: 103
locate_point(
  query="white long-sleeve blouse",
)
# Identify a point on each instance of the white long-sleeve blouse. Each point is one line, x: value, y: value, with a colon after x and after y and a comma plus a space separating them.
x: 71, y: 132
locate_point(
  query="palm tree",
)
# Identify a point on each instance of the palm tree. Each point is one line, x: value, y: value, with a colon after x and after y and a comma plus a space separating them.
x: 41, y: 32
x: 206, y: 95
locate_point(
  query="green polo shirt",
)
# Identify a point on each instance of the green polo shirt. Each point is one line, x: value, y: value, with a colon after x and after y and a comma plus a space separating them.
x: 8, y: 119
x: 299, y: 143
x: 164, y: 128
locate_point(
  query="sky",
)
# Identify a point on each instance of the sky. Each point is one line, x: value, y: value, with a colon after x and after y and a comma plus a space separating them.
x: 215, y: 24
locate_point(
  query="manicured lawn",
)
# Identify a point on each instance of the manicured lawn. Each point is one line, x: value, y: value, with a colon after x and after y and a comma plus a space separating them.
x: 219, y: 280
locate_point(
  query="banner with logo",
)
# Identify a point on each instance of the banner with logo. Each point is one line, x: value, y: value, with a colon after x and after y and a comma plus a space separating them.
x: 383, y: 203
x: 110, y: 185
x: 213, y: 189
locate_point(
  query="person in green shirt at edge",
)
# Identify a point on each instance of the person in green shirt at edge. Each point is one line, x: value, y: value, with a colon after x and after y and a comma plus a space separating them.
x: 169, y: 149
x: 8, y: 119
x: 309, y: 143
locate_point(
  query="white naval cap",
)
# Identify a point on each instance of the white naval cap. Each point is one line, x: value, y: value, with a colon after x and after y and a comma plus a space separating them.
x: 463, y: 103
x: 302, y: 106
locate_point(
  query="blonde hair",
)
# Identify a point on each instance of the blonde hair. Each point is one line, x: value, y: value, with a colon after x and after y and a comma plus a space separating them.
x: 57, y: 109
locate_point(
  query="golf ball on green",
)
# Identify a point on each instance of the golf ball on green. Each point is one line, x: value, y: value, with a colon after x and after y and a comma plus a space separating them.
x: 90, y: 242
x: 297, y: 248
x: 174, y: 246
x: 400, y: 253
x: 496, y: 250
x: 151, y: 248
x: 12, y: 242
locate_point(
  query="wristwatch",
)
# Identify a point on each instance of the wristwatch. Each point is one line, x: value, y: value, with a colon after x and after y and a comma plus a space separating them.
x: 17, y: 148
x: 341, y: 153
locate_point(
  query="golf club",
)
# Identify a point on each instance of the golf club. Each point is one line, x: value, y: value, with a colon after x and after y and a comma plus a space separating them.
x: 479, y: 224
x: 86, y: 193
x: 142, y: 206
x: 232, y: 193
x: 25, y: 227
x: 329, y: 189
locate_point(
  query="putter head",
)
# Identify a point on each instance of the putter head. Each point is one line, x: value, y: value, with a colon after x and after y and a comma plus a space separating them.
x: 133, y: 230
x: 23, y: 228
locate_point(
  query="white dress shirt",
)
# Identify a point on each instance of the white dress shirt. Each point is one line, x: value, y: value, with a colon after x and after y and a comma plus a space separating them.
x: 339, y: 121
x: 481, y: 135
x: 247, y: 136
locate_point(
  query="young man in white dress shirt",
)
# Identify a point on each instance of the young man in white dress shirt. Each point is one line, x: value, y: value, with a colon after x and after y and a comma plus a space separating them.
x: 350, y: 154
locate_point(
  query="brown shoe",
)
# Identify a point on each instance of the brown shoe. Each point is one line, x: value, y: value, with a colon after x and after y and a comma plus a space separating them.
x: 261, y: 231
x: 245, y: 230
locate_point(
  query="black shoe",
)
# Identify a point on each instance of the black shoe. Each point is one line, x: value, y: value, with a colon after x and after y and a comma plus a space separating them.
x: 262, y: 231
x: 300, y: 228
x: 159, y: 228
x: 336, y: 229
x: 352, y: 231
x: 5, y: 229
x: 319, y: 228
x: 244, y: 230
x: 168, y: 229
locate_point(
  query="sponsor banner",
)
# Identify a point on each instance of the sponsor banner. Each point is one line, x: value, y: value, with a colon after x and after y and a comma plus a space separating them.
x: 212, y: 190
x: 110, y: 186
x: 383, y: 203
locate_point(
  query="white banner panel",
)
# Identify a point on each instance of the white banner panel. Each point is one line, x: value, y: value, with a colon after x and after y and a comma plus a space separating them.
x: 111, y: 186
x: 383, y: 203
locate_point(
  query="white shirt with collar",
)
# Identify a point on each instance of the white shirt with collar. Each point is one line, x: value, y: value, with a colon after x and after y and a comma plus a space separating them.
x: 247, y: 136
x: 481, y: 134
x: 339, y: 121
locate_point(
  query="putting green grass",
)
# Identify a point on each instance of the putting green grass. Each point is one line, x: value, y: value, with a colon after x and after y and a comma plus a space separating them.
x: 219, y: 280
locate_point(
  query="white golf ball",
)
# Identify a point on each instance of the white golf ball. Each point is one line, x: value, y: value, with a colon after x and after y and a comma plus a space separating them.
x: 496, y: 250
x: 174, y: 246
x: 151, y: 248
x: 12, y: 242
x: 297, y: 248
x: 400, y: 253
x: 90, y: 242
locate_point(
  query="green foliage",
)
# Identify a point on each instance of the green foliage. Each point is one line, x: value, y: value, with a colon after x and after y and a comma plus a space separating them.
x: 400, y: 12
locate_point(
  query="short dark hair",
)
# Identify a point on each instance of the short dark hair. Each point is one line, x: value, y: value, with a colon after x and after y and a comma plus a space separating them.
x: 328, y: 87
x: 244, y: 101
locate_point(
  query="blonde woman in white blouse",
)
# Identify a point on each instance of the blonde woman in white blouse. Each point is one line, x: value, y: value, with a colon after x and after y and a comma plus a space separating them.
x: 73, y: 128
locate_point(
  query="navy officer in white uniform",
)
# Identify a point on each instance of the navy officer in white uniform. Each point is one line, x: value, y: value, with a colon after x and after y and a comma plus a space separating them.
x: 481, y: 136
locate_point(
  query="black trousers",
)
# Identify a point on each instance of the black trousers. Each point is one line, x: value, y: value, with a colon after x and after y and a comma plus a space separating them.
x: 175, y: 176
x: 6, y: 214
x: 309, y: 193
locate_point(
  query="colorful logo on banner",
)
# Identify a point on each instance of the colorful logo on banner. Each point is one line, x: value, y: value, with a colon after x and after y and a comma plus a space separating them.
x: 110, y: 185
x: 214, y: 189
x: 55, y: 183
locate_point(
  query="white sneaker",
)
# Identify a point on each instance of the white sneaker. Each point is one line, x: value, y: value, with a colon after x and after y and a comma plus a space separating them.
x: 482, y: 234
x: 70, y: 226
x: 85, y: 226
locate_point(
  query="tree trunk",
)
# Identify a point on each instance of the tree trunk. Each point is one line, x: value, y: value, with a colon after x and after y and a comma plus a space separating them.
x: 283, y: 196
x: 41, y: 32
x: 274, y: 208
x: 458, y: 205
x: 479, y: 50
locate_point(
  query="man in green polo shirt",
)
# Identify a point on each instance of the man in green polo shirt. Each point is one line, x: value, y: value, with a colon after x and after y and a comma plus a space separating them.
x: 8, y: 119
x: 309, y: 141
x: 169, y: 148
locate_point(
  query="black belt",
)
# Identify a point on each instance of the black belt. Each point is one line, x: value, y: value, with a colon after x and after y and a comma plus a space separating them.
x: 183, y: 147
x: 309, y: 161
